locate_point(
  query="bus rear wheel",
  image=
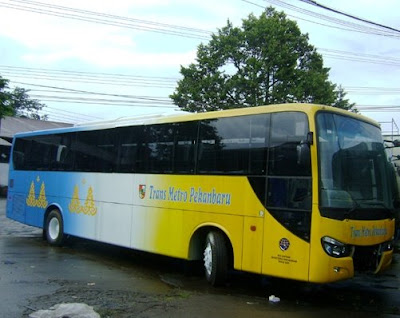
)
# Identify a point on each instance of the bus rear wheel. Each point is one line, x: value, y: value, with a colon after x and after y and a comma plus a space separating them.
x: 215, y: 258
x: 54, y: 228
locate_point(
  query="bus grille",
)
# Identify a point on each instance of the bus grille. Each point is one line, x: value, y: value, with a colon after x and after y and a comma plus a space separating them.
x: 366, y: 258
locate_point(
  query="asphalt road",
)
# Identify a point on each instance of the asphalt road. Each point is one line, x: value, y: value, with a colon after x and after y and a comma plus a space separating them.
x: 122, y: 283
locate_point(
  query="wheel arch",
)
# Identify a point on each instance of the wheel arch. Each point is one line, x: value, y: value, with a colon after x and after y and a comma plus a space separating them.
x: 198, y: 240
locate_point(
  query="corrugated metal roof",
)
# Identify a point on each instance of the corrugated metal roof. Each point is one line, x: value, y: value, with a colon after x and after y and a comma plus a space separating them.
x: 9, y: 126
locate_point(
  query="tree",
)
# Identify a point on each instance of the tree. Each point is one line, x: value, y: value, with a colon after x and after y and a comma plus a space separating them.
x: 342, y: 102
x: 5, y: 108
x: 18, y: 103
x: 266, y: 61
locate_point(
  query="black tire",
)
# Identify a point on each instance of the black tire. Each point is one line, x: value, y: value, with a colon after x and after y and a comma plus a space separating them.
x: 54, y: 228
x: 215, y: 258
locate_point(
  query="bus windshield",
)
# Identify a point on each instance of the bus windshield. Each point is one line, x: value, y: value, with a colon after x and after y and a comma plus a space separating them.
x: 354, y: 171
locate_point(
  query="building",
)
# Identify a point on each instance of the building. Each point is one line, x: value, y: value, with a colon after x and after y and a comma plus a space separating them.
x: 9, y: 126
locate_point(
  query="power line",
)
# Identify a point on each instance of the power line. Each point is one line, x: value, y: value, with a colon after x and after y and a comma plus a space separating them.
x: 98, y: 101
x: 88, y: 74
x: 86, y: 77
x: 106, y: 19
x: 359, y: 57
x: 378, y: 107
x: 315, y: 3
x: 148, y: 98
x: 113, y: 101
x: 277, y: 2
x: 65, y: 115
x: 166, y: 82
x: 87, y: 117
x: 91, y: 98
x: 343, y: 25
x: 353, y: 26
x: 362, y: 90
x: 133, y: 101
x: 177, y: 30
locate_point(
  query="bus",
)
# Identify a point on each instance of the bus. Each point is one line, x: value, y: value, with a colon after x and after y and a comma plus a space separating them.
x: 295, y: 191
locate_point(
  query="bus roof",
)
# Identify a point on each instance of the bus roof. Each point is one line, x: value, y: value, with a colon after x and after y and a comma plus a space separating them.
x: 184, y: 116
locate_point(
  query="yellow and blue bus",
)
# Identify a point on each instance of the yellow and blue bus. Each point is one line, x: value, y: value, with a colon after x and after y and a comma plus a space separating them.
x: 296, y: 191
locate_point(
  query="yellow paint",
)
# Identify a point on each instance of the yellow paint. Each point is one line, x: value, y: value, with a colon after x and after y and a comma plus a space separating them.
x: 290, y: 263
x: 177, y: 206
x: 41, y: 201
x: 88, y: 207
x: 253, y: 232
x: 322, y: 266
x: 385, y: 262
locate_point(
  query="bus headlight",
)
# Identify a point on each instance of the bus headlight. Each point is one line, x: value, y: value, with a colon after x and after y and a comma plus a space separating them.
x: 335, y: 248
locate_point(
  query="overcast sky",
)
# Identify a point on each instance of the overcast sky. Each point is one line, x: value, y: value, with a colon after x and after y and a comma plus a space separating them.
x: 131, y: 51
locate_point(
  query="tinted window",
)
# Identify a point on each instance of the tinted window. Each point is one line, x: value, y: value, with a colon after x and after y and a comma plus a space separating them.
x: 20, y: 148
x: 64, y: 155
x: 185, y: 147
x: 95, y: 150
x: 287, y: 131
x: 234, y: 145
x: 36, y: 153
x: 289, y: 183
x: 259, y: 140
x: 156, y: 151
x: 130, y: 140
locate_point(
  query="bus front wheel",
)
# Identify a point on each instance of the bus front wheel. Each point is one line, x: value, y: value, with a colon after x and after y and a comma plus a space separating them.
x: 215, y: 258
x: 54, y: 228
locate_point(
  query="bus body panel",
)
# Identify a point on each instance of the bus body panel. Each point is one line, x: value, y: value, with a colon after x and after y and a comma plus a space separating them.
x: 253, y: 240
x: 187, y: 203
x: 145, y: 212
x: 358, y: 232
x: 285, y: 254
x: 353, y: 232
x: 386, y: 261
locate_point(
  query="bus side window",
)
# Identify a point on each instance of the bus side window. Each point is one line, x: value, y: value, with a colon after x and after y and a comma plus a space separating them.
x: 185, y: 146
x: 95, y: 151
x: 61, y: 153
x: 62, y: 158
x: 288, y: 129
x: 130, y: 139
x: 67, y: 156
x: 157, y: 152
x: 19, y: 153
x: 289, y: 184
x: 259, y: 140
x: 224, y: 146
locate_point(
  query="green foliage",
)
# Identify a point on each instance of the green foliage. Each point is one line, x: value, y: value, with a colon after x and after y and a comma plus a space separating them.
x: 342, y: 102
x: 18, y: 103
x: 5, y: 107
x: 266, y: 61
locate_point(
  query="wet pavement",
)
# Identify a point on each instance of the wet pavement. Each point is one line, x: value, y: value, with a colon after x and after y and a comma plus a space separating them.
x: 119, y: 282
